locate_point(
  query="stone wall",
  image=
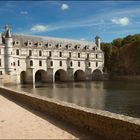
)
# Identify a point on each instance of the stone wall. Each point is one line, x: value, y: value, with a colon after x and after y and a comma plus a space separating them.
x: 106, y: 124
x: 8, y: 79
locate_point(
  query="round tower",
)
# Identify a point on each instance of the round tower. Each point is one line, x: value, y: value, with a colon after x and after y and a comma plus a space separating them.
x: 98, y: 42
x: 8, y: 50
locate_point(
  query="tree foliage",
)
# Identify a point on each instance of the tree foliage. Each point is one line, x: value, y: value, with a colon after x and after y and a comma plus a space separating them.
x: 122, y: 55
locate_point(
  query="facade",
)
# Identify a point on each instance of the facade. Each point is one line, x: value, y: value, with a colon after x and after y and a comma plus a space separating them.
x: 32, y: 59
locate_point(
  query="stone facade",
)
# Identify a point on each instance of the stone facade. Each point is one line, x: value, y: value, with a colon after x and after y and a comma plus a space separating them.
x: 30, y: 59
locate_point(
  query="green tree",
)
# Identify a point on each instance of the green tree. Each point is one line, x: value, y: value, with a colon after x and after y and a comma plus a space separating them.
x: 117, y: 42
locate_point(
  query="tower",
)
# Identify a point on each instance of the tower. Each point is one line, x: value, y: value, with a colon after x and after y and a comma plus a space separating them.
x: 98, y: 42
x: 8, y: 51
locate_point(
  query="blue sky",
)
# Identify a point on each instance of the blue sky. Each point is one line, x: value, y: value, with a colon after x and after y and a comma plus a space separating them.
x: 81, y: 20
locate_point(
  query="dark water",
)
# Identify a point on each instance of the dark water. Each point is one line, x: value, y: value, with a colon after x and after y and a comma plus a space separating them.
x: 121, y: 97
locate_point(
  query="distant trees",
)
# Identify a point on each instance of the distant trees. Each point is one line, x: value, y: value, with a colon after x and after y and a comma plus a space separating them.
x: 122, y: 55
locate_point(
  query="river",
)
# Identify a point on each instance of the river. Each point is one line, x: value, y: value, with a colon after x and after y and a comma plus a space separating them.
x: 121, y: 97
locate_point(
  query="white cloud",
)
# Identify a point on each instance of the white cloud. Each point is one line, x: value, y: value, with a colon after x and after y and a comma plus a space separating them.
x: 24, y: 12
x: 39, y: 28
x: 64, y: 7
x: 121, y: 21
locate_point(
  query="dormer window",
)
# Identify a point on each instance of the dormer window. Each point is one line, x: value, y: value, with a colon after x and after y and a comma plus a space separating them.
x: 49, y: 45
x: 29, y: 43
x: 69, y: 46
x: 59, y: 45
x: 77, y: 46
x: 17, y: 43
x: 87, y: 47
x: 39, y: 44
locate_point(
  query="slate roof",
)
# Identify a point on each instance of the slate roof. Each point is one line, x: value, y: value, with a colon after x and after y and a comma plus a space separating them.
x: 0, y: 39
x: 54, y: 41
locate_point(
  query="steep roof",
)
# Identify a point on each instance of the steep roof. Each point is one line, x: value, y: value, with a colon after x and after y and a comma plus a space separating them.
x: 0, y: 38
x: 53, y: 40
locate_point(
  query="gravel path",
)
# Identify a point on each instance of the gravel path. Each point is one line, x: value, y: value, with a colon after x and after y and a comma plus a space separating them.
x: 18, y: 123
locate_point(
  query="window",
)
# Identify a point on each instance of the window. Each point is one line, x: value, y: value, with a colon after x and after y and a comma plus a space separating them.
x: 60, y: 54
x: 40, y: 63
x: 87, y: 47
x: 89, y: 64
x: 0, y: 72
x: 96, y: 55
x: 18, y: 63
x: 31, y: 63
x: 50, y: 53
x: 14, y: 63
x: 71, y: 63
x: 87, y: 55
x: 17, y: 42
x: 17, y: 52
x: 78, y: 64
x: 96, y: 64
x: 69, y: 54
x: 60, y: 63
x: 0, y: 62
x: 48, y: 44
x: 30, y: 52
x: 30, y: 43
x: 51, y: 63
x: 78, y: 55
x: 40, y: 53
x: 69, y: 46
x: 0, y: 51
x: 39, y: 44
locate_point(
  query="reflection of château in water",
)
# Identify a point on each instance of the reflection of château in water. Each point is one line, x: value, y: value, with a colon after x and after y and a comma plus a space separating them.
x: 30, y: 59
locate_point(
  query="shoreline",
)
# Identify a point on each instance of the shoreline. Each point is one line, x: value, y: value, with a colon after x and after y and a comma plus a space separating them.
x: 125, y: 77
x: 16, y: 122
x: 103, y: 123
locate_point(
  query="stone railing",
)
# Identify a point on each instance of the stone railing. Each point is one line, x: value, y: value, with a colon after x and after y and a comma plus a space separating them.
x: 105, y: 124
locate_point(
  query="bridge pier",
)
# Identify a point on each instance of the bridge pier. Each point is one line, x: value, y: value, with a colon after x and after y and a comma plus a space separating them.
x: 88, y: 74
x: 70, y: 77
x: 30, y: 78
x: 50, y: 75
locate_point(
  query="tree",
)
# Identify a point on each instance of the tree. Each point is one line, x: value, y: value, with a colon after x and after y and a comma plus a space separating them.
x: 117, y: 42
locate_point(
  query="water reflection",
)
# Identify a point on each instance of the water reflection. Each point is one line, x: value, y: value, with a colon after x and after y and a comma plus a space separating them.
x: 115, y: 96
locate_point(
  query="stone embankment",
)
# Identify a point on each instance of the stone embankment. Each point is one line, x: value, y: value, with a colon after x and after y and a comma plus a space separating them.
x: 17, y: 122
x: 106, y: 124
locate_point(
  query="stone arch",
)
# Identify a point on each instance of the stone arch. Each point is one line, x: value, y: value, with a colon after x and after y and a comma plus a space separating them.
x: 97, y: 74
x: 23, y: 77
x: 79, y: 75
x: 41, y: 76
x: 60, y: 75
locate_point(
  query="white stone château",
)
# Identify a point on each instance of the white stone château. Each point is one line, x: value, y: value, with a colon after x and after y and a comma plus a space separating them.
x: 32, y: 59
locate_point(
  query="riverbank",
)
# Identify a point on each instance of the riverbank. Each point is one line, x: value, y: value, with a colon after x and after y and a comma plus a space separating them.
x: 19, y: 123
x: 103, y: 123
x: 125, y: 77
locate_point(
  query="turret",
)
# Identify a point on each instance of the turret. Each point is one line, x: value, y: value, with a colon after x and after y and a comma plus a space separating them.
x: 7, y: 31
x: 98, y: 42
x: 8, y: 50
x: 0, y: 38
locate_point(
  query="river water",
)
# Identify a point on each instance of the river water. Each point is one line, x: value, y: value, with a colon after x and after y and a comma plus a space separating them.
x: 121, y: 97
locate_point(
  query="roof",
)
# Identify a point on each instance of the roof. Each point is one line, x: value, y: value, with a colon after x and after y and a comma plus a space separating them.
x: 0, y: 38
x: 53, y: 40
